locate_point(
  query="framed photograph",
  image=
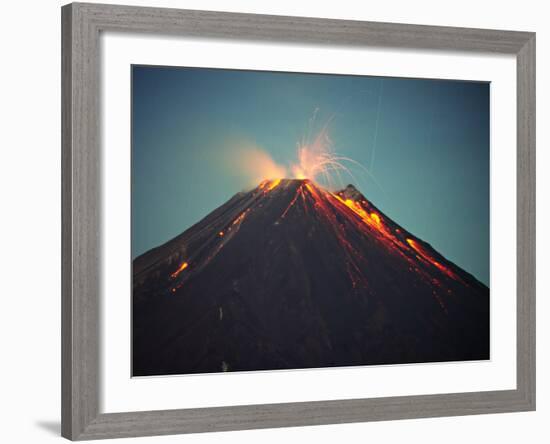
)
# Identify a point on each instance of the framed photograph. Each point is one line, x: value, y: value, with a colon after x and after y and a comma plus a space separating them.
x: 280, y: 221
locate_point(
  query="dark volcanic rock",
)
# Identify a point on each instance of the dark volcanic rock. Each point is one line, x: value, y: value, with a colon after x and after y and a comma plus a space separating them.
x: 292, y: 276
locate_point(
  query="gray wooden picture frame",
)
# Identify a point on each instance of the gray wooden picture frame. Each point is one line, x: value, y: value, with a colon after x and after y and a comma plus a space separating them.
x: 81, y: 167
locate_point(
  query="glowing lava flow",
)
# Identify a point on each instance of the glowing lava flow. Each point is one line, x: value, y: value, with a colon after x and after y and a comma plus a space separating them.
x: 329, y: 204
x: 369, y: 218
x: 182, y: 267
x: 239, y: 219
x: 299, y: 192
x: 430, y: 259
x: 268, y: 185
x: 393, y: 240
x: 373, y: 220
x: 324, y: 205
x: 222, y: 238
x: 344, y: 216
x: 225, y: 235
x: 273, y: 184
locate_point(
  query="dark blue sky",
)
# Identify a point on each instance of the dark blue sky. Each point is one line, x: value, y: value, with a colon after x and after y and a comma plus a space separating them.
x: 426, y: 142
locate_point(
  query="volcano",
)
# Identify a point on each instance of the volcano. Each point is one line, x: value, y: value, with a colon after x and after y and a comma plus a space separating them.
x: 291, y: 275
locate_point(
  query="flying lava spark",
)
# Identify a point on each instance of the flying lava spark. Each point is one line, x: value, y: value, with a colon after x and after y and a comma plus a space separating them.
x: 318, y: 161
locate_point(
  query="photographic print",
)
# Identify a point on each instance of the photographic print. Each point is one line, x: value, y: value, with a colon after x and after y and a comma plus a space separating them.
x: 286, y: 221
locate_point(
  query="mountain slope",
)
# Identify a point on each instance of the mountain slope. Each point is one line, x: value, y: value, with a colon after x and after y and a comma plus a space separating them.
x: 290, y: 275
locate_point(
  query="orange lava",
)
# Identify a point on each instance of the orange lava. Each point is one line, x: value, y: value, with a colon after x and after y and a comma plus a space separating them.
x: 392, y: 240
x: 342, y: 215
x: 373, y: 219
x: 273, y: 184
x: 299, y: 192
x: 325, y: 204
x: 239, y: 219
x: 426, y: 256
x: 182, y: 267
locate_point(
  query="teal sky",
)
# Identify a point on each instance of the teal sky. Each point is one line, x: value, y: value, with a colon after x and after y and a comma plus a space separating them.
x: 426, y: 142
